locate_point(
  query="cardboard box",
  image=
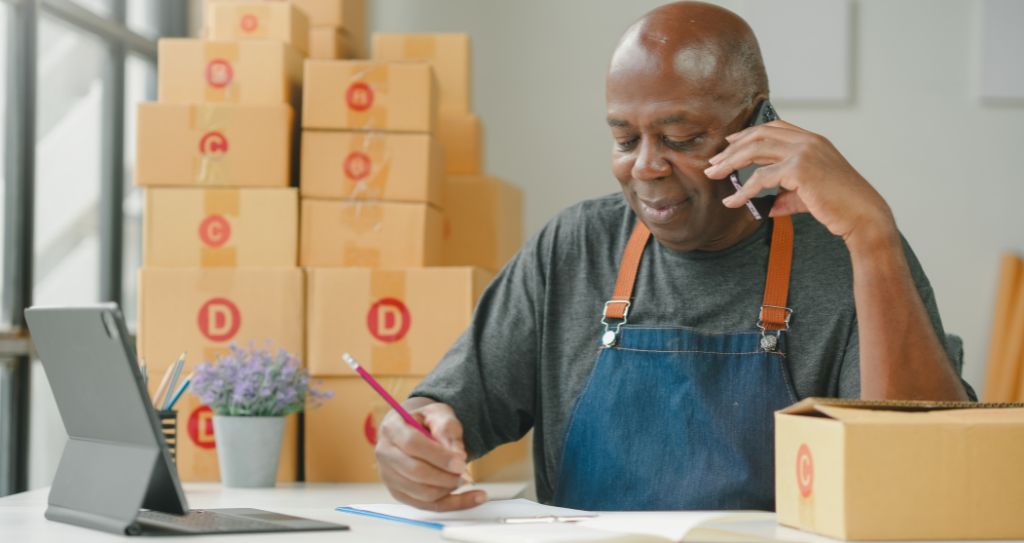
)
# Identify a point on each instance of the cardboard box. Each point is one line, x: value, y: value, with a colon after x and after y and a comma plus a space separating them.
x: 349, y: 15
x: 901, y: 470
x: 328, y: 43
x: 483, y: 221
x: 340, y: 436
x: 369, y: 234
x: 217, y: 145
x: 371, y: 166
x: 197, y: 444
x: 461, y: 137
x: 185, y: 227
x: 395, y: 322
x: 240, y: 19
x: 204, y: 311
x: 448, y: 54
x: 240, y: 71
x: 364, y: 95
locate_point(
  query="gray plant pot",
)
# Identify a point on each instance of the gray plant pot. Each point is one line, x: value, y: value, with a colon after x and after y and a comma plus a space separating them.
x: 248, y: 450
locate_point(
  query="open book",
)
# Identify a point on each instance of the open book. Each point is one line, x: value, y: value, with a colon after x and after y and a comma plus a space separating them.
x: 641, y: 527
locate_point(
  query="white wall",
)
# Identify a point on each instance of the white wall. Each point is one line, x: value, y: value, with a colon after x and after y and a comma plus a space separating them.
x: 945, y: 163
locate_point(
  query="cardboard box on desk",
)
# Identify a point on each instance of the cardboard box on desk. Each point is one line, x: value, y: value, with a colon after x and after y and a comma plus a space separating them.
x: 197, y: 444
x: 218, y: 145
x: 192, y: 228
x: 242, y: 19
x: 364, y: 95
x: 483, y: 221
x: 341, y: 434
x: 448, y: 54
x: 371, y: 166
x: 461, y: 137
x: 239, y: 71
x: 395, y: 322
x: 369, y: 234
x: 901, y: 470
x: 204, y: 311
x: 328, y: 43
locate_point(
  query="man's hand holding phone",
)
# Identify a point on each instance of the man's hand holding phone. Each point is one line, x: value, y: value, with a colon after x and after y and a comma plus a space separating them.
x: 814, y: 177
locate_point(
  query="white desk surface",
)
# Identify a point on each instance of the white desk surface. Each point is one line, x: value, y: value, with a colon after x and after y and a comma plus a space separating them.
x: 22, y: 521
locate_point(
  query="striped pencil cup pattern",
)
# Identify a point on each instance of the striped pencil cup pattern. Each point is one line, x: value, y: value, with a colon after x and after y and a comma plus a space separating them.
x: 169, y: 431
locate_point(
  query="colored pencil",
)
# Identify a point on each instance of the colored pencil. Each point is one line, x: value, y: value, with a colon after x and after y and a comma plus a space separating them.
x: 406, y: 416
x: 181, y: 390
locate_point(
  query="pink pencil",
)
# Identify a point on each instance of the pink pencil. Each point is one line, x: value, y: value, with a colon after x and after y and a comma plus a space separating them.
x: 409, y: 419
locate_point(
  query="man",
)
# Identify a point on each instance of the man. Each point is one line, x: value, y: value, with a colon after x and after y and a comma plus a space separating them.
x: 650, y: 369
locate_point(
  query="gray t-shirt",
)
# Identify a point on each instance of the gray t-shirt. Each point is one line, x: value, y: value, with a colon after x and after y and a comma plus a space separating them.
x: 536, y: 333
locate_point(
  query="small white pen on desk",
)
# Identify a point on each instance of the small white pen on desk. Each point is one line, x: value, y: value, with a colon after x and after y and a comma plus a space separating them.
x: 543, y: 519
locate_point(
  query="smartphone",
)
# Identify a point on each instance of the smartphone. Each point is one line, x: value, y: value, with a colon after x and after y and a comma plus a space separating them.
x: 762, y: 203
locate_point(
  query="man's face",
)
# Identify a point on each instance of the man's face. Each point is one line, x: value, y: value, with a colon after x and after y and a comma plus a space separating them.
x: 666, y: 127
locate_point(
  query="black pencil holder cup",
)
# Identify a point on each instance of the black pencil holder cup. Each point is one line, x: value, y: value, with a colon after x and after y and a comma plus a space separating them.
x: 169, y: 431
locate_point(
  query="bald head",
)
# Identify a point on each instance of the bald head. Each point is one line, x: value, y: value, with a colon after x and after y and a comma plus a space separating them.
x: 707, y: 46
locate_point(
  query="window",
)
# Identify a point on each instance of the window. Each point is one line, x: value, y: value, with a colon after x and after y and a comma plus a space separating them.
x: 4, y: 39
x: 69, y: 153
x: 71, y: 73
x: 99, y: 7
x: 143, y: 17
x: 140, y: 86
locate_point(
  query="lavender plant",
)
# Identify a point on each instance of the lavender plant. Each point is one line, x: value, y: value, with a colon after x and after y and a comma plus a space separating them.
x: 255, y: 383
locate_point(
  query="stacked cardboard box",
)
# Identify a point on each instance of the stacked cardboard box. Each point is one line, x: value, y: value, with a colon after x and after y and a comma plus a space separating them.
x: 221, y: 218
x: 372, y: 232
x: 335, y: 28
x: 483, y: 214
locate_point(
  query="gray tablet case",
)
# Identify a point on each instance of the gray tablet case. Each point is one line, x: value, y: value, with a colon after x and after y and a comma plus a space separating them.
x: 116, y: 462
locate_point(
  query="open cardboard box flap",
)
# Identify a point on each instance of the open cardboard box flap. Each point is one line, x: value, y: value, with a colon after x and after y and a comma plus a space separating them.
x: 890, y: 411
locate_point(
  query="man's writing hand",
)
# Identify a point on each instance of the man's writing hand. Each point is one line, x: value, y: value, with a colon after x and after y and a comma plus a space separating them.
x: 420, y: 471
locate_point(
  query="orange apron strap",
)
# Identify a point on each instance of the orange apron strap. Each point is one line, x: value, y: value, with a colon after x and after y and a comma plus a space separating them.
x: 775, y: 314
x: 618, y: 306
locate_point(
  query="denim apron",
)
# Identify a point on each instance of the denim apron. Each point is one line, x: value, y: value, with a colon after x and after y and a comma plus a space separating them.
x: 671, y: 418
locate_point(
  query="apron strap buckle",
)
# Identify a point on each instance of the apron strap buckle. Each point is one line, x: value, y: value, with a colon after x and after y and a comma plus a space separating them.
x: 617, y: 310
x: 770, y: 321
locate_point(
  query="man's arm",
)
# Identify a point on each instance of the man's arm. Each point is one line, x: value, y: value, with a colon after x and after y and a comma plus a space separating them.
x: 901, y: 356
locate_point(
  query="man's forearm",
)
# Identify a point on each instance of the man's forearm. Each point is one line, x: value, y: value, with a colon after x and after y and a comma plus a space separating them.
x: 901, y: 356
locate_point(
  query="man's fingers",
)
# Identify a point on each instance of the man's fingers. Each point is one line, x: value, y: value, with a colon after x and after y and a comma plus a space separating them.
x: 416, y: 445
x: 765, y: 177
x: 451, y: 502
x: 417, y: 471
x: 418, y: 491
x: 742, y: 154
x: 444, y: 426
x: 778, y: 129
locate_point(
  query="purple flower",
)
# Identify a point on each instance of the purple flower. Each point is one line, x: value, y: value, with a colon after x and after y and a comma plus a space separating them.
x: 255, y: 382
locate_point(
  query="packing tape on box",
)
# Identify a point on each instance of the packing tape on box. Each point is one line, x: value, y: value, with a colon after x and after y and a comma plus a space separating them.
x: 211, y: 123
x: 364, y: 220
x: 367, y: 166
x: 366, y: 97
x: 215, y: 229
x: 388, y: 321
x: 251, y: 19
x: 220, y: 66
x: 419, y: 47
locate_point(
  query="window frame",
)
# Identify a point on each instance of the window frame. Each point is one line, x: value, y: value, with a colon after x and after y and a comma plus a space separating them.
x: 120, y: 40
